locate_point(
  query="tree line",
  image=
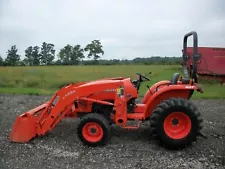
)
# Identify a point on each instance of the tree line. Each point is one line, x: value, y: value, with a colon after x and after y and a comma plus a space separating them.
x: 73, y: 55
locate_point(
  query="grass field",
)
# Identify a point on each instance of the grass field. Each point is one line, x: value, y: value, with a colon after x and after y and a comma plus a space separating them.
x: 46, y: 80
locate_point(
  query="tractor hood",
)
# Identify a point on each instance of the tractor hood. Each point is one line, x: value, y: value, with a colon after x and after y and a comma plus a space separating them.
x: 101, y: 82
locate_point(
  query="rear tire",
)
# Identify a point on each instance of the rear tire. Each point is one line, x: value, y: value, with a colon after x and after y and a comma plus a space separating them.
x: 94, y: 130
x: 176, y: 122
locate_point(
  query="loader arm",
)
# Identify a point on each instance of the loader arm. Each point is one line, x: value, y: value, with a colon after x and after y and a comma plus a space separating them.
x: 45, y: 117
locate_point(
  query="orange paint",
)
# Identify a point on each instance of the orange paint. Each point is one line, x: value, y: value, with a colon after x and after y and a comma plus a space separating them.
x: 74, y: 99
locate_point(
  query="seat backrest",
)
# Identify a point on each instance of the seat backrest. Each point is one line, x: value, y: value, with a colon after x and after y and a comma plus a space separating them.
x: 175, y: 78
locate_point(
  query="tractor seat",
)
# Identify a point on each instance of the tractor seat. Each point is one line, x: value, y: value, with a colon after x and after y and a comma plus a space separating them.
x: 185, y: 80
x: 174, y: 78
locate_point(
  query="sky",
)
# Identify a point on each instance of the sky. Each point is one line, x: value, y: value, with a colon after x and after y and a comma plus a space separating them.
x: 126, y: 28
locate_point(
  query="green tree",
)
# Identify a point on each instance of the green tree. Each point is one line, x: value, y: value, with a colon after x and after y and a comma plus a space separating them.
x: 12, y: 58
x: 64, y: 54
x: 70, y: 55
x: 29, y: 59
x: 36, y: 56
x: 47, y: 53
x: 22, y: 63
x: 1, y: 61
x: 58, y: 62
x: 77, y: 54
x: 94, y: 49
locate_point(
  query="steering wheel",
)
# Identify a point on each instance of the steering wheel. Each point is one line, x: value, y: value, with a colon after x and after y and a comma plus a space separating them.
x: 146, y: 78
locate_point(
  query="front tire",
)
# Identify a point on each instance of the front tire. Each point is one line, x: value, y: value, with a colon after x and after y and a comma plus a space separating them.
x: 176, y: 122
x: 94, y: 130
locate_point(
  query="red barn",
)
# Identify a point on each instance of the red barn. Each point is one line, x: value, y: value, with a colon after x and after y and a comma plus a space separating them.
x: 211, y: 63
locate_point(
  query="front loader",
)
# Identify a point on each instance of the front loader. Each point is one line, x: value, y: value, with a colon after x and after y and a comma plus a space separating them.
x: 174, y: 119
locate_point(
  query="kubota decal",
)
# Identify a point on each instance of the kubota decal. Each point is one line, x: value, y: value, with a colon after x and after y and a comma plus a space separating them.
x: 110, y: 90
x: 69, y: 93
x: 189, y: 87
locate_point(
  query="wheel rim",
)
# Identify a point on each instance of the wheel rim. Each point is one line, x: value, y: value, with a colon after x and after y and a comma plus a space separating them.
x: 92, y: 132
x: 177, y: 125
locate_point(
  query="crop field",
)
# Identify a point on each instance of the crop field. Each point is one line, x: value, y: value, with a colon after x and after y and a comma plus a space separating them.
x: 48, y: 79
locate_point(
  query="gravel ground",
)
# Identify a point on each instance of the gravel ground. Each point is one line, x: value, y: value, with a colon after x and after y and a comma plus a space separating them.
x: 127, y: 149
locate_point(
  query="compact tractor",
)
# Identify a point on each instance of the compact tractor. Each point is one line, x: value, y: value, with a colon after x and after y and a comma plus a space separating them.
x: 173, y: 118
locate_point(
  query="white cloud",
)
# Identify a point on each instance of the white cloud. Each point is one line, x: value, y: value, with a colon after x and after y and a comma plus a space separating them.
x: 126, y: 28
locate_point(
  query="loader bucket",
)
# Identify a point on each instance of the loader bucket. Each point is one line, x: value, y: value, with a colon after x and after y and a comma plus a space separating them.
x: 26, y: 125
x: 23, y: 129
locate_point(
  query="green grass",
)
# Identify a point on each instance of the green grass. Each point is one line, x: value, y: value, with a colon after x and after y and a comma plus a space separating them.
x: 46, y: 80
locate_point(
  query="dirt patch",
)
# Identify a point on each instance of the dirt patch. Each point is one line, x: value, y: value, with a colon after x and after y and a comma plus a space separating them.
x: 127, y: 149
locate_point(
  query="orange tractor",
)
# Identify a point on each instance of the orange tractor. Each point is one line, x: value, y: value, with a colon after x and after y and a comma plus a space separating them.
x: 174, y: 119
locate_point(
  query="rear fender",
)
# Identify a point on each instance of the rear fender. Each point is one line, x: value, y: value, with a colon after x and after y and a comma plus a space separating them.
x: 181, y: 91
x: 154, y: 88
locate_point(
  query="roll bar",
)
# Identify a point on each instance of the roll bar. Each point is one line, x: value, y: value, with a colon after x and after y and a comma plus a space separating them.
x: 196, y: 56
